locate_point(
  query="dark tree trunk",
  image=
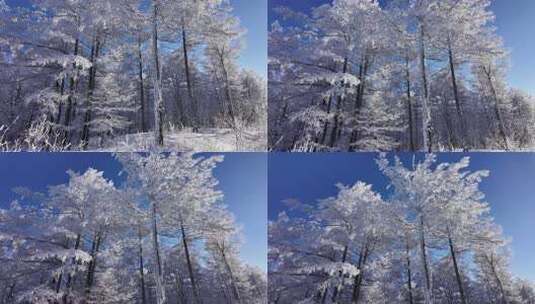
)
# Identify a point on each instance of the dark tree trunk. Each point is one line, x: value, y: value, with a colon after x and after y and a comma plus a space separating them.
x: 194, y: 288
x: 497, y: 111
x: 357, y: 284
x: 458, y: 107
x: 359, y: 100
x: 326, y: 125
x: 428, y: 132
x: 141, y: 86
x: 70, y: 99
x: 90, y: 278
x: 409, y: 274
x: 158, y: 102
x: 91, y: 87
x: 235, y: 290
x: 141, y: 269
x: 427, y: 272
x: 60, y: 106
x: 338, y: 288
x: 188, y: 76
x: 339, y: 106
x: 457, y: 272
x: 410, y: 111
x: 76, y: 246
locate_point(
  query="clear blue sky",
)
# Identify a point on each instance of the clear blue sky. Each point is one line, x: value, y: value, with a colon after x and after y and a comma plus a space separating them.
x: 253, y: 16
x: 510, y: 189
x: 514, y: 20
x: 242, y: 176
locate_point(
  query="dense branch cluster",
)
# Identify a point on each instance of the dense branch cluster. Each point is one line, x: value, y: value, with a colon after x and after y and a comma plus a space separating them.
x: 407, y: 75
x: 163, y: 236
x: 430, y: 240
x: 88, y: 72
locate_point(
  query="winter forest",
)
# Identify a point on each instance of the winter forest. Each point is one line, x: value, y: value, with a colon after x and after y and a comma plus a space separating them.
x: 163, y: 235
x: 396, y: 75
x: 127, y: 75
x: 428, y: 238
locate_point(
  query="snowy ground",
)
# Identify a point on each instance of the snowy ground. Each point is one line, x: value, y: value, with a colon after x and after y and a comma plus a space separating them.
x: 205, y: 140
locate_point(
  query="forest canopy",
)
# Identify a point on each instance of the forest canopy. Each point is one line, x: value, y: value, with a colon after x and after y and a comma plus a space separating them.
x: 421, y: 233
x: 409, y: 75
x: 163, y: 235
x: 126, y: 75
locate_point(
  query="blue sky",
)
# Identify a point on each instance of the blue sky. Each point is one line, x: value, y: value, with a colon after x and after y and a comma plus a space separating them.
x: 253, y: 16
x: 510, y: 189
x: 514, y: 20
x: 242, y: 176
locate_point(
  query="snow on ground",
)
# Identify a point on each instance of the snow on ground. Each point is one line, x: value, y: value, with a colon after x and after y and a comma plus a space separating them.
x: 205, y: 140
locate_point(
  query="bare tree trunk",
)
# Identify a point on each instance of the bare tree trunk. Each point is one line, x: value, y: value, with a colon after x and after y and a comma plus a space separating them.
x: 339, y: 287
x: 498, y: 281
x: 93, y: 264
x: 359, y: 101
x: 60, y: 277
x: 497, y: 111
x: 464, y: 131
x: 409, y: 274
x: 427, y: 272
x: 158, y: 102
x: 60, y: 106
x: 339, y: 106
x: 141, y: 86
x: 194, y: 288
x: 160, y: 289
x: 235, y: 289
x: 457, y: 272
x: 326, y: 125
x: 357, y: 285
x: 188, y: 77
x: 95, y: 49
x: 427, y: 128
x: 410, y: 111
x: 141, y: 268
x: 70, y: 99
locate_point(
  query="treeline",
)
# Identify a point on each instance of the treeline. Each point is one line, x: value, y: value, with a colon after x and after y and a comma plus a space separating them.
x: 163, y: 236
x: 430, y: 239
x: 407, y: 75
x: 78, y: 74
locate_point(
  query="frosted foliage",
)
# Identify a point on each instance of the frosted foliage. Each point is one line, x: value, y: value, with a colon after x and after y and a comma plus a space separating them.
x: 165, y: 226
x: 94, y: 73
x: 422, y: 75
x: 429, y: 239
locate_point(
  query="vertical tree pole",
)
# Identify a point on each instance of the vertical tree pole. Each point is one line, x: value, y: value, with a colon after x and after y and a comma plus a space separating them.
x: 427, y: 128
x: 158, y: 102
